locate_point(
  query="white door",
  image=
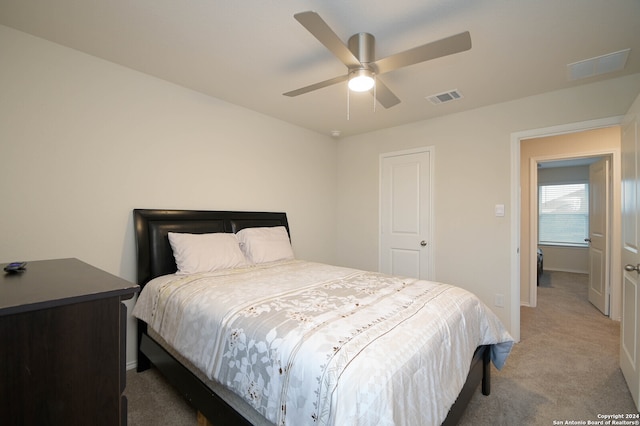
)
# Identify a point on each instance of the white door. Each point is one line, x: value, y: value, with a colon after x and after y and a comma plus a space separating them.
x: 630, y: 323
x: 405, y: 213
x: 599, y: 176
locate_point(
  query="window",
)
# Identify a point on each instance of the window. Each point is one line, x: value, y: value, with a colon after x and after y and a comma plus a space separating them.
x: 563, y: 214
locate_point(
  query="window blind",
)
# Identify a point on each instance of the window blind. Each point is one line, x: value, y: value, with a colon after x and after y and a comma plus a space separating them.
x: 563, y: 214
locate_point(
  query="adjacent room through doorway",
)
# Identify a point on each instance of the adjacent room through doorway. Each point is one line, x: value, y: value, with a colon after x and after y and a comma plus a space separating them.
x: 563, y: 152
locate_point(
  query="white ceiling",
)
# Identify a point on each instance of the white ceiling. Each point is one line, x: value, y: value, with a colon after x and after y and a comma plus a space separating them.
x: 249, y: 52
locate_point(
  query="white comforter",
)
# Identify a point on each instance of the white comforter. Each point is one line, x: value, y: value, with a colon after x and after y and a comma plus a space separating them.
x: 308, y: 343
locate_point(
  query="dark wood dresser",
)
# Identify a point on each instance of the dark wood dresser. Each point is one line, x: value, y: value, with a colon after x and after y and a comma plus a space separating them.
x: 63, y: 345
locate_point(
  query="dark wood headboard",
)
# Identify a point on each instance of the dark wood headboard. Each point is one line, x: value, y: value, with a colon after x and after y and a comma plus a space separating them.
x: 155, y: 256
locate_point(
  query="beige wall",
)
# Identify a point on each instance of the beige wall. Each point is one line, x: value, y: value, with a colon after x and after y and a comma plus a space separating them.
x: 84, y: 141
x: 473, y: 159
x: 587, y: 143
x: 566, y: 259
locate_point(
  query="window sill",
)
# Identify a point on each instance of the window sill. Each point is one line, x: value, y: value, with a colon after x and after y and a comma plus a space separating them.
x: 563, y: 245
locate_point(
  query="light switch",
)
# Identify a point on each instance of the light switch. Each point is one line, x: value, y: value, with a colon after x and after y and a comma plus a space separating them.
x: 499, y: 210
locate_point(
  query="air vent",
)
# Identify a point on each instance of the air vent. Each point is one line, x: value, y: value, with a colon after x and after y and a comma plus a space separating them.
x: 444, y: 97
x: 599, y: 65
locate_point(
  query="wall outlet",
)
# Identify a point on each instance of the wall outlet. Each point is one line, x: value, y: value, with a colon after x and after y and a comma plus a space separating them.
x: 499, y: 300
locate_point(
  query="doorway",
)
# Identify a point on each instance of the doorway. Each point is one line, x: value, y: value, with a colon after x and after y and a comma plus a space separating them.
x: 588, y: 139
x: 573, y: 218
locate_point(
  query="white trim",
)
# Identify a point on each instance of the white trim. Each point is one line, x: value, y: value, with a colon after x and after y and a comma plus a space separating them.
x: 567, y: 128
x: 516, y: 138
x: 571, y: 271
x: 514, y: 307
x: 431, y: 150
x: 533, y: 229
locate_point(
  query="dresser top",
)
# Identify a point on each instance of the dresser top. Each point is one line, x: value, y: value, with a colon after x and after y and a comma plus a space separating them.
x: 50, y: 283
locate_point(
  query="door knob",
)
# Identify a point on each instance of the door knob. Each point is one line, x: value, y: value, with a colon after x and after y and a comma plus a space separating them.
x: 423, y: 243
x: 632, y: 268
x: 587, y: 240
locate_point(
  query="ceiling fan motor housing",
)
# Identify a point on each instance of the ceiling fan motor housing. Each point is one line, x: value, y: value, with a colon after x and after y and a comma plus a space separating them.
x: 363, y: 46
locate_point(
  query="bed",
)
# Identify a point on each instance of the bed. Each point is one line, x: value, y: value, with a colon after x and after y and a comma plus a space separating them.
x: 283, y: 373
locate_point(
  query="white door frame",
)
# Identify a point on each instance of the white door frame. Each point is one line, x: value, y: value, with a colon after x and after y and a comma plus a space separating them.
x: 516, y: 138
x: 431, y: 151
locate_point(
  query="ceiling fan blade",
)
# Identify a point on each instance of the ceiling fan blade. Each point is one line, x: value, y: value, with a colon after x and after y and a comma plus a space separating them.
x: 446, y: 46
x: 317, y: 86
x: 384, y: 95
x: 325, y: 35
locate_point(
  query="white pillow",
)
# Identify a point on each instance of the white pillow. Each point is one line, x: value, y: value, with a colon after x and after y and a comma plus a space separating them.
x: 205, y: 252
x: 261, y: 245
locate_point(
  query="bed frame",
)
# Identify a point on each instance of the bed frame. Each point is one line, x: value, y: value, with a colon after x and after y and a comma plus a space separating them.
x: 155, y: 258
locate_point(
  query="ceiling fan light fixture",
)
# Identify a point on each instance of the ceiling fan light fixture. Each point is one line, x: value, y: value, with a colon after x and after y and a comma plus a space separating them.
x: 361, y: 80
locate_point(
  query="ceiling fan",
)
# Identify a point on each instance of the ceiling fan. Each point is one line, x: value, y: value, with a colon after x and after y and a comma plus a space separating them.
x: 359, y: 57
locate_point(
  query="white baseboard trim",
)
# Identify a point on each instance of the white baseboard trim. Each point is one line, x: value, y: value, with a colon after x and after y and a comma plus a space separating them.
x: 566, y: 270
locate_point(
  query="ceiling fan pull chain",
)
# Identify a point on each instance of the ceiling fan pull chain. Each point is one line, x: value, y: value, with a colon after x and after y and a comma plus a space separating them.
x: 375, y: 96
x: 348, y: 103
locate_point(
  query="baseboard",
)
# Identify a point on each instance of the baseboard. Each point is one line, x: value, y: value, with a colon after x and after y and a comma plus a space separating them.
x: 131, y: 365
x: 573, y: 271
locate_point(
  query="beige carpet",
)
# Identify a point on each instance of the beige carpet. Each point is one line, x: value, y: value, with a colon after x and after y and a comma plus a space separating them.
x: 153, y: 402
x: 564, y: 368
